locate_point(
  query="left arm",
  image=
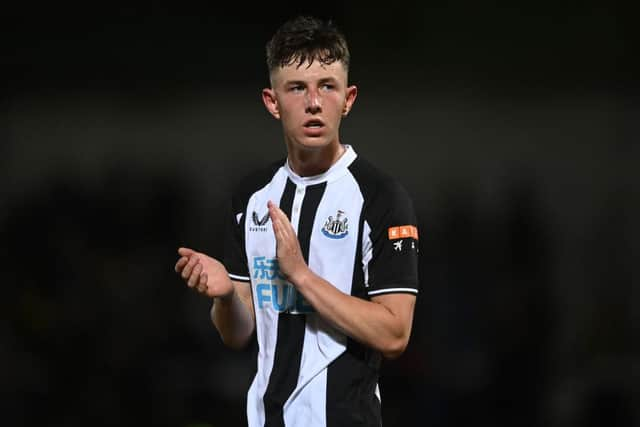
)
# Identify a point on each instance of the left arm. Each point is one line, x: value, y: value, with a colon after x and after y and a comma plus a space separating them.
x: 384, y: 323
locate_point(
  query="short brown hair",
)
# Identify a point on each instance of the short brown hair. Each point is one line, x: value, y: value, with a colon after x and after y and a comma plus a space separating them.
x: 306, y: 38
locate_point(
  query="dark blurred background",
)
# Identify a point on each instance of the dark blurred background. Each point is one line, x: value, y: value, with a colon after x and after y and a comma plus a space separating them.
x: 513, y: 127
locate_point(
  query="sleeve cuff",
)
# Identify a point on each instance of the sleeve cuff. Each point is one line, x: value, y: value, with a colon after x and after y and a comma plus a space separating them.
x: 393, y: 291
x: 239, y: 277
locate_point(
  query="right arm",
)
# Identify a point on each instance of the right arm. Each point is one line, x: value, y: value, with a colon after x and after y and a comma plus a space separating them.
x: 232, y: 312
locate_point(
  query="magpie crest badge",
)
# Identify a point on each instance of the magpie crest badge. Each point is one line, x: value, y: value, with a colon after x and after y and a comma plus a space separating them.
x: 336, y: 228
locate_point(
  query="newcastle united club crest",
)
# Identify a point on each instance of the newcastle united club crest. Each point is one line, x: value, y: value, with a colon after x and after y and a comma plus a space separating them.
x: 336, y: 228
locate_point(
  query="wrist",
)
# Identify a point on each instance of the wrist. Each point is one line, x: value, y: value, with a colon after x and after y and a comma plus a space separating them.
x: 228, y: 297
x: 302, y: 277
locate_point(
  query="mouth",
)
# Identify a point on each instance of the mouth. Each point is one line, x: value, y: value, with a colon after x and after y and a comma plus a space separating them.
x: 314, y: 124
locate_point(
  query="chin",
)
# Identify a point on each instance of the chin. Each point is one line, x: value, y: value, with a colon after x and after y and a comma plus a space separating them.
x: 312, y: 144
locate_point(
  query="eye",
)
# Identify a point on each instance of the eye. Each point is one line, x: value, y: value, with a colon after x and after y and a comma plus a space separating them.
x: 296, y: 88
x: 328, y: 86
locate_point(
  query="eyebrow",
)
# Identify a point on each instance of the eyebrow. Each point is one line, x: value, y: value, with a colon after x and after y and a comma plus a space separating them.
x: 301, y: 82
x: 328, y: 80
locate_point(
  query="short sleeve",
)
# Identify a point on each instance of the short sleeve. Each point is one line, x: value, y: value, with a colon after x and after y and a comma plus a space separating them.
x: 390, y: 243
x: 235, y: 256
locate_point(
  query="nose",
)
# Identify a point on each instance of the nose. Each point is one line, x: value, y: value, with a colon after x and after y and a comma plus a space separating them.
x: 313, y: 102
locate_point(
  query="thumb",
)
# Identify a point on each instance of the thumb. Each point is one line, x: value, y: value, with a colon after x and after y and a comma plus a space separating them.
x: 186, y: 251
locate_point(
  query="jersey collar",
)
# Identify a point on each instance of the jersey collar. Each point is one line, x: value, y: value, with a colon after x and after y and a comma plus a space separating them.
x: 337, y: 170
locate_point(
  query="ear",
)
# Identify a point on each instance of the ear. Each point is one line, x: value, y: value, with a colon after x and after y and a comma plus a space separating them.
x: 352, y: 93
x: 270, y: 102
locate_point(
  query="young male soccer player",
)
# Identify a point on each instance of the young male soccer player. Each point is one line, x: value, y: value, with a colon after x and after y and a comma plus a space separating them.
x: 321, y: 253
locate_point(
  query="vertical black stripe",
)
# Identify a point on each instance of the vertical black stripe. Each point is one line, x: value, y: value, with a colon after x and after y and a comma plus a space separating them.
x: 312, y: 198
x: 288, y: 352
x: 286, y: 201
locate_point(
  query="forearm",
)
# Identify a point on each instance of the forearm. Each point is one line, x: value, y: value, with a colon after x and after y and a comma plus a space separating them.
x: 384, y: 323
x: 233, y: 318
x: 370, y: 323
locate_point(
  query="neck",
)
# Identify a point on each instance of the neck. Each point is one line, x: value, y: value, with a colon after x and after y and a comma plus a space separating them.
x: 314, y: 162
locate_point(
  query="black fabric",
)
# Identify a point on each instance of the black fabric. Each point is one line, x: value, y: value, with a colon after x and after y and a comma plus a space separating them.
x: 387, y: 205
x: 351, y: 384
x: 312, y: 198
x: 235, y: 255
x: 286, y: 201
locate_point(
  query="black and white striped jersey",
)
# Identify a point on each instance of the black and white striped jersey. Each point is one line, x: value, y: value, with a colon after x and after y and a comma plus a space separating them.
x: 357, y: 229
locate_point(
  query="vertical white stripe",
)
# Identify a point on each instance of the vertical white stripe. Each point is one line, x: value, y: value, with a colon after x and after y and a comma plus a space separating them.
x: 296, y: 208
x: 367, y: 251
x: 307, y: 404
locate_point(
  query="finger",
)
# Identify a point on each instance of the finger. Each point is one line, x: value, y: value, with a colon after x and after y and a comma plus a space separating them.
x: 282, y: 235
x: 277, y: 230
x: 186, y: 252
x: 277, y: 218
x: 285, y: 224
x: 203, y: 283
x: 274, y: 219
x: 181, y: 263
x: 272, y: 212
x: 194, y: 278
x: 202, y: 287
x: 275, y: 210
x: 186, y: 272
x: 285, y: 230
x: 282, y: 228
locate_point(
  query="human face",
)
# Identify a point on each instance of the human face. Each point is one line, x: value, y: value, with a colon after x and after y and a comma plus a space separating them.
x: 310, y: 100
